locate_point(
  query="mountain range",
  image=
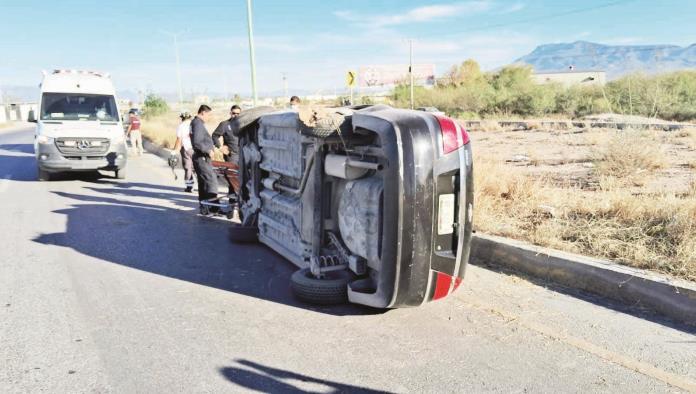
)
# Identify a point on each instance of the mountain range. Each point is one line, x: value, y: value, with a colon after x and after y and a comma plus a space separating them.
x: 616, y: 60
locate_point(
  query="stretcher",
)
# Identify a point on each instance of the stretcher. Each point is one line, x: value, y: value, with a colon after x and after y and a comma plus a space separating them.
x: 224, y: 203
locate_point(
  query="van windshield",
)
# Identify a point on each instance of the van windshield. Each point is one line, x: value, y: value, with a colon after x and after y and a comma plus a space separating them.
x: 75, y: 106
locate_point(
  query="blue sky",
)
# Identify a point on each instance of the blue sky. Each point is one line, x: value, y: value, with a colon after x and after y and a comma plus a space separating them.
x: 313, y: 42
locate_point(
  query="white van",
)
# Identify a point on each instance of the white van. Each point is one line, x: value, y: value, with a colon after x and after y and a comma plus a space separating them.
x: 78, y: 126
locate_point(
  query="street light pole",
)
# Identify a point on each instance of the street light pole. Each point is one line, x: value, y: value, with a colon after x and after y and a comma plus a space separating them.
x: 252, y: 59
x: 178, y: 63
x: 178, y: 69
x: 410, y: 68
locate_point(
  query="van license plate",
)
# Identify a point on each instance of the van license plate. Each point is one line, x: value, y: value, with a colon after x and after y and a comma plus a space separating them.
x: 445, y: 220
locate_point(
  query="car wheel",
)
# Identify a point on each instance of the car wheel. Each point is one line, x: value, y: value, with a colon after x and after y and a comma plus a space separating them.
x: 120, y: 174
x: 251, y: 115
x: 243, y: 234
x: 331, y: 290
x: 43, y: 175
x: 329, y: 125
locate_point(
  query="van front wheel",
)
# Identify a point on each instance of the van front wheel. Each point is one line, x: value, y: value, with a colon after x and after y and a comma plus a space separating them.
x: 43, y: 175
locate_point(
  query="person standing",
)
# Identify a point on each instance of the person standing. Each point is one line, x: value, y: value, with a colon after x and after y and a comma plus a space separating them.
x: 203, y: 149
x: 230, y: 147
x: 183, y: 145
x: 134, y: 134
x: 295, y: 103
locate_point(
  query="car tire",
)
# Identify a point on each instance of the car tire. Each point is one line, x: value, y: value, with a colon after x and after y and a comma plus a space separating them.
x: 43, y: 175
x: 328, y: 291
x: 330, y: 125
x: 120, y: 174
x: 239, y: 234
x: 250, y: 116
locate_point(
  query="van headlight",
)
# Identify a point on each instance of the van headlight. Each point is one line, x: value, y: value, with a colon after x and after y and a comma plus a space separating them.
x: 43, y: 140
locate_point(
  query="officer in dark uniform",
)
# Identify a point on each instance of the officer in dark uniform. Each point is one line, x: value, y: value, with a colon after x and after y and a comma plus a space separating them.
x: 203, y: 149
x: 225, y: 129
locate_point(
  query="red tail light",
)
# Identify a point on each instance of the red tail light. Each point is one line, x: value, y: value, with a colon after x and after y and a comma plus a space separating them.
x: 453, y: 135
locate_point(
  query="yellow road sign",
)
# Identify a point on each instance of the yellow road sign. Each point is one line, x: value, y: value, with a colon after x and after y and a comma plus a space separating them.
x: 351, y: 78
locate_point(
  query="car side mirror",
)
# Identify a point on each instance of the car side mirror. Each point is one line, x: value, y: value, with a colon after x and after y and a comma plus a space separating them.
x: 31, y: 117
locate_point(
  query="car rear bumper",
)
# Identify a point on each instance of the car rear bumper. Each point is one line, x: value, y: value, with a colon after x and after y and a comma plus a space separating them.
x: 50, y: 159
x: 420, y: 261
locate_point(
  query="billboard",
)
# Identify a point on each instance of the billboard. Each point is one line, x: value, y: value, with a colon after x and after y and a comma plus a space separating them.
x: 394, y: 74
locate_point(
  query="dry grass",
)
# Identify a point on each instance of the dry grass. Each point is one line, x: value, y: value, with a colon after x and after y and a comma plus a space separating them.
x: 161, y: 130
x: 646, y: 229
x: 628, y: 154
x: 490, y: 125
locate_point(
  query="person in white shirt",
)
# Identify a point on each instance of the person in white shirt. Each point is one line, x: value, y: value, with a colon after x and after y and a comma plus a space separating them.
x: 184, y: 146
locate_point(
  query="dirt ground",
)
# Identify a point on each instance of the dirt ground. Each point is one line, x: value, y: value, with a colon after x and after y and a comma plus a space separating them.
x: 568, y: 158
x: 629, y: 196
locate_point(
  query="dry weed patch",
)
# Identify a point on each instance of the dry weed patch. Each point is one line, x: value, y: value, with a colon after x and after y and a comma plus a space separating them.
x: 653, y: 231
x: 629, y: 153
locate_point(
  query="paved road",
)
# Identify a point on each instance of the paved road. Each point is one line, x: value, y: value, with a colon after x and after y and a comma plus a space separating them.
x: 117, y: 286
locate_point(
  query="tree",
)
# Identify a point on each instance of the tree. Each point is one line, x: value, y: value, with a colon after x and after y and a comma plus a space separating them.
x: 464, y: 74
x: 154, y: 105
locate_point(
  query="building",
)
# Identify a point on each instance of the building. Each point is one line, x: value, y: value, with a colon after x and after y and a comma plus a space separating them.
x: 572, y: 77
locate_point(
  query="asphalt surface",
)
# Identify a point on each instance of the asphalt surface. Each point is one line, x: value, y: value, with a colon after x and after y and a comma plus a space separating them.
x: 118, y: 286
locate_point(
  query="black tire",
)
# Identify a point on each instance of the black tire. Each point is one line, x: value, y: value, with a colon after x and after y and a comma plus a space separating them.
x: 332, y: 124
x: 43, y: 175
x: 203, y: 210
x: 120, y: 174
x: 249, y: 116
x: 243, y: 234
x: 331, y: 290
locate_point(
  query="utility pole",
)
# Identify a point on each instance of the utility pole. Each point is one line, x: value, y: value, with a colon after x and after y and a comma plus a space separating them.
x: 252, y: 59
x: 178, y: 65
x: 410, y: 68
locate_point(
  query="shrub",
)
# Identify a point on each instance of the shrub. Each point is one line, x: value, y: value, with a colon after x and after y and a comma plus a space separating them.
x: 154, y: 106
x: 512, y: 91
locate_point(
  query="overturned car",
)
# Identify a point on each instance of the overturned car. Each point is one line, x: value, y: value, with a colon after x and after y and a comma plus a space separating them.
x: 373, y: 204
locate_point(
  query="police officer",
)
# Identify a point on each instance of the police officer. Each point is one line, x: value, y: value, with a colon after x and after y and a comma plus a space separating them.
x: 230, y: 149
x: 203, y: 149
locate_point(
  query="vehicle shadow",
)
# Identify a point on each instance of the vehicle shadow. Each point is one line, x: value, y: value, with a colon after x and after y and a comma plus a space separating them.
x: 265, y: 379
x: 132, y: 185
x: 181, y: 199
x: 178, y: 244
x: 19, y: 164
x: 19, y: 148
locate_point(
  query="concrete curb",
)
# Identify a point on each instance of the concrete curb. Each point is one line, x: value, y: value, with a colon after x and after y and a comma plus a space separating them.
x: 155, y: 149
x: 675, y: 299
x: 476, y: 125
